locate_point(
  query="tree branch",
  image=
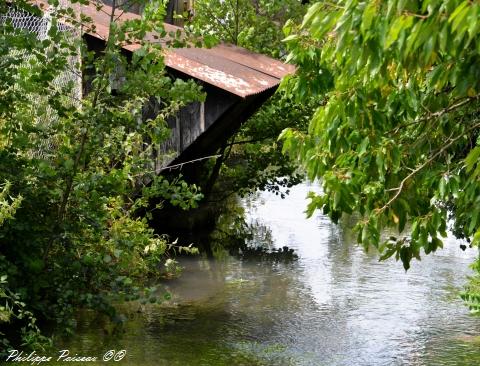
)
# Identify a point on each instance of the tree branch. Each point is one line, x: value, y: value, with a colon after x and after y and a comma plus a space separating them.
x: 437, y: 114
x: 69, y: 182
x: 399, y: 189
x: 246, y: 141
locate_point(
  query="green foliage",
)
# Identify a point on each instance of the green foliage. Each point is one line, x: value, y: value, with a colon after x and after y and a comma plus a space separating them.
x: 253, y: 24
x: 253, y: 160
x: 396, y: 137
x: 8, y: 205
x: 12, y: 307
x: 74, y: 169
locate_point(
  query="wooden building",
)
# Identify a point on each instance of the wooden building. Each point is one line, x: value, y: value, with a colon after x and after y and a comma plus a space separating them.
x: 237, y: 82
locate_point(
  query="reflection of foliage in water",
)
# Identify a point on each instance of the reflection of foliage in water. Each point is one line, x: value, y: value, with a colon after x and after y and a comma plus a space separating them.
x: 233, y: 235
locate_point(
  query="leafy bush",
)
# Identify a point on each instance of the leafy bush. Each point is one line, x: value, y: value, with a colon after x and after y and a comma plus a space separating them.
x: 78, y: 170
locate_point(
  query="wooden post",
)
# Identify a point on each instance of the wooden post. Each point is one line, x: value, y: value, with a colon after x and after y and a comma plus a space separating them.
x: 179, y: 135
x: 202, y: 117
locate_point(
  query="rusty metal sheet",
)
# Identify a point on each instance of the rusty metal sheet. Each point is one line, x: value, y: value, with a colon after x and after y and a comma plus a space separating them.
x: 227, y: 76
x: 255, y: 61
x: 249, y: 81
x: 231, y: 68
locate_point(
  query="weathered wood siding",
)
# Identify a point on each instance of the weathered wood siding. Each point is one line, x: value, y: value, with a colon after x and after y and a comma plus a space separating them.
x: 191, y: 121
x: 185, y: 127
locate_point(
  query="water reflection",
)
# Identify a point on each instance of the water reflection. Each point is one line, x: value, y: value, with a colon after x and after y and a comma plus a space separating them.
x: 334, y: 305
x: 390, y: 317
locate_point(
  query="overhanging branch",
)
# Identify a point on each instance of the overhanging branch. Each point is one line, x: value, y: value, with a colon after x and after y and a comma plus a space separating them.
x: 399, y: 189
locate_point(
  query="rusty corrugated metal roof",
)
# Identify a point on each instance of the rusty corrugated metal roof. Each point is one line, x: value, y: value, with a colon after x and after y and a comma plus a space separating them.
x: 220, y: 71
x: 228, y: 67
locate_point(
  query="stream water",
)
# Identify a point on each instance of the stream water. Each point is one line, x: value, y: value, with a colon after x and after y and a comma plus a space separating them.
x: 334, y: 305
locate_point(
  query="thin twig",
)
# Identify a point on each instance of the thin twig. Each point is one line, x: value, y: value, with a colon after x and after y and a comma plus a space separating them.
x: 436, y: 114
x: 246, y: 142
x: 335, y: 6
x: 421, y: 16
x: 180, y: 165
x: 83, y: 140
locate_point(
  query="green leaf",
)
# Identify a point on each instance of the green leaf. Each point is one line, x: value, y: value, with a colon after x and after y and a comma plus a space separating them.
x: 406, y: 257
x: 291, y: 37
x: 436, y: 243
x: 312, y: 13
x: 368, y: 15
x: 400, y: 23
x: 457, y: 16
x: 391, y: 250
x: 472, y: 158
x: 442, y: 187
x: 473, y: 221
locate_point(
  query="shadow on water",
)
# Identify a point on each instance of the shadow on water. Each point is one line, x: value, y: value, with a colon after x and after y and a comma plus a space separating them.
x: 321, y: 301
